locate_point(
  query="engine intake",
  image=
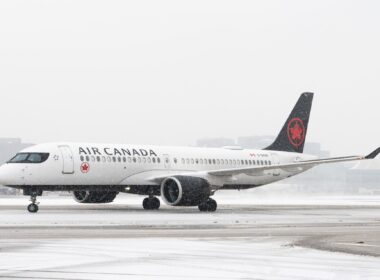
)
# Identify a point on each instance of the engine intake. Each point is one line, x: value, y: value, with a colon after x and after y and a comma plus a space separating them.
x: 94, y: 197
x: 185, y: 191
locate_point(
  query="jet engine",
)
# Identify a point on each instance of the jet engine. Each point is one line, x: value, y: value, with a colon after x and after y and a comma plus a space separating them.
x: 94, y: 196
x: 185, y: 191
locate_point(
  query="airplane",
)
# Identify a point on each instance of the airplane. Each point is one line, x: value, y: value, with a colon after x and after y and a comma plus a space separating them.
x: 182, y: 176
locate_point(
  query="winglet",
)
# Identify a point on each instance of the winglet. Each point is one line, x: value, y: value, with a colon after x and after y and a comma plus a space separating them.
x: 373, y: 154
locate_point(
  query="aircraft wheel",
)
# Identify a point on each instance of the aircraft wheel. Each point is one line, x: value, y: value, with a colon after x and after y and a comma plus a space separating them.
x: 209, y: 206
x: 156, y: 203
x: 33, y: 208
x: 151, y: 203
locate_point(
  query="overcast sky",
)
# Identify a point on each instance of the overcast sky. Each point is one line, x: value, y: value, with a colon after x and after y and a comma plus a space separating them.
x: 170, y: 72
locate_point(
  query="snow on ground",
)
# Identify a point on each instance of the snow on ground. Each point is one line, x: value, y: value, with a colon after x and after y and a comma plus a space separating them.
x: 267, y: 256
x: 178, y: 259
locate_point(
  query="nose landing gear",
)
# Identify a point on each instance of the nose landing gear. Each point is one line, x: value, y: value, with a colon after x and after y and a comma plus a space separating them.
x: 33, y: 207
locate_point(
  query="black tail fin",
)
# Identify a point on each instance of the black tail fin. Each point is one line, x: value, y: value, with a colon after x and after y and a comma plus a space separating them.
x: 293, y: 134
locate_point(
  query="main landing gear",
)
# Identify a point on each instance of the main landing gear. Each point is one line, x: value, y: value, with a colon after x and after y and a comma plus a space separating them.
x: 209, y: 205
x: 33, y: 207
x: 151, y: 203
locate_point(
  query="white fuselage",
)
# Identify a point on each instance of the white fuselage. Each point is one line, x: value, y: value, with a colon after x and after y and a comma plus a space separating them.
x: 75, y: 164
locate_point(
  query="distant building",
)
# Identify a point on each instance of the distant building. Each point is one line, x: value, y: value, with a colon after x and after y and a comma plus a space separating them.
x: 364, y: 177
x: 215, y: 142
x: 255, y: 142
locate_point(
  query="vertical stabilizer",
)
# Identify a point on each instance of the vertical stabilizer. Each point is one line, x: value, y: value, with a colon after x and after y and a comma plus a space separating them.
x: 293, y: 134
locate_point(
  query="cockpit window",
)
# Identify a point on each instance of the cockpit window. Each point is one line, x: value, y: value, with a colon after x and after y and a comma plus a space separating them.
x: 29, y: 158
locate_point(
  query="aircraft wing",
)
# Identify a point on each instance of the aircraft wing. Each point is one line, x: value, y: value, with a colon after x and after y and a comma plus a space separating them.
x: 300, y: 165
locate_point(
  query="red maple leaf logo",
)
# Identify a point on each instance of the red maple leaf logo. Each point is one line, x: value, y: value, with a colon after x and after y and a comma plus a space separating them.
x: 85, y: 167
x: 296, y: 132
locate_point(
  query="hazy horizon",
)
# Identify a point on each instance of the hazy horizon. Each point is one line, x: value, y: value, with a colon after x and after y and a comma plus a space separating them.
x: 171, y: 72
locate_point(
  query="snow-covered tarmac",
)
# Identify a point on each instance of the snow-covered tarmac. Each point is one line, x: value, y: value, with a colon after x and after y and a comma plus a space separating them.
x: 247, y: 238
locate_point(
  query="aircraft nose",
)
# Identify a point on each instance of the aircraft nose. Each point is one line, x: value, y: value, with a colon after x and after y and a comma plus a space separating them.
x: 2, y: 175
x: 4, y: 178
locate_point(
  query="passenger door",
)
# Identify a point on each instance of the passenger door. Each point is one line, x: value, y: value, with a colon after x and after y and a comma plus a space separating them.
x: 68, y: 160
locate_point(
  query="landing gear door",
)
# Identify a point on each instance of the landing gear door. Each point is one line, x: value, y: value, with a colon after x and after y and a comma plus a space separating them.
x: 68, y: 160
x: 276, y: 161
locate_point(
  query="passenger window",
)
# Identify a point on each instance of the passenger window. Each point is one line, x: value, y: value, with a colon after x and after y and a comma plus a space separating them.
x: 183, y: 161
x: 109, y: 159
x: 129, y: 159
x: 175, y: 160
x: 81, y: 158
x: 217, y: 162
x: 119, y: 159
x: 209, y: 161
x: 187, y: 161
x: 98, y: 158
x: 201, y: 161
x: 87, y: 158
x: 103, y: 158
x: 139, y: 160
x: 149, y: 160
x: 158, y: 160
x: 196, y: 161
x: 134, y: 160
x: 154, y: 160
x: 234, y: 162
x: 214, y: 161
x: 124, y: 159
x: 144, y: 160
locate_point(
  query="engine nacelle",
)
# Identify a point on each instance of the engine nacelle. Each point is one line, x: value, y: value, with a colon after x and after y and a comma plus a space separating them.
x: 94, y: 197
x: 185, y: 191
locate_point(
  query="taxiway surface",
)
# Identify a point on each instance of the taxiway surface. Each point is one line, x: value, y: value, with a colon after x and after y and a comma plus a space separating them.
x: 263, y: 239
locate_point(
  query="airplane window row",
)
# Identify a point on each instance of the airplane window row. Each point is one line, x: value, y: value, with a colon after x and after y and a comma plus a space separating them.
x: 120, y: 159
x: 223, y: 161
x: 175, y: 160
